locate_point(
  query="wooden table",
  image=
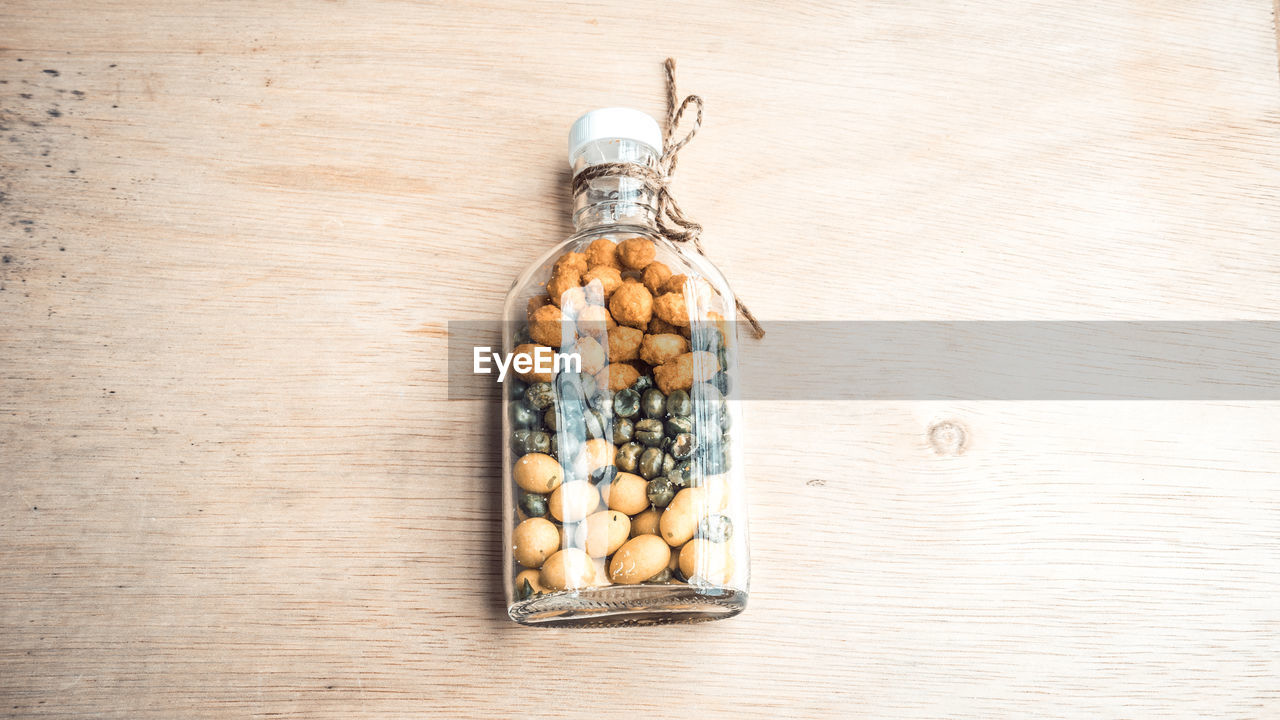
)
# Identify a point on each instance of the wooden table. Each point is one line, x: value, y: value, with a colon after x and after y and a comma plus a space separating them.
x: 233, y: 234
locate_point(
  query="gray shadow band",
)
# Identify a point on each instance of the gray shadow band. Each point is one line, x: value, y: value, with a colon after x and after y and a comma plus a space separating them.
x: 973, y: 360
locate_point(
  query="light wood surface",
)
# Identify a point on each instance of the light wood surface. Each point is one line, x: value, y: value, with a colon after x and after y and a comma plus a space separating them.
x: 233, y: 234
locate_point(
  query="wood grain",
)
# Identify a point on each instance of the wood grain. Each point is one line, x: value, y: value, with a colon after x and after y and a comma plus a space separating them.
x: 233, y: 234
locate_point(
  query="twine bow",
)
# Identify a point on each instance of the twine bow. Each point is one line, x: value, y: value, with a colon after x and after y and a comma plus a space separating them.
x: 670, y: 219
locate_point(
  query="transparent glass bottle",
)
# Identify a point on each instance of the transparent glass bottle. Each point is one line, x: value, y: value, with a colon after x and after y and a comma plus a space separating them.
x: 623, y: 488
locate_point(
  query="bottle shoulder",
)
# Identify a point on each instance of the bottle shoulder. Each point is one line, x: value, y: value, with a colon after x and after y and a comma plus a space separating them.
x: 677, y: 259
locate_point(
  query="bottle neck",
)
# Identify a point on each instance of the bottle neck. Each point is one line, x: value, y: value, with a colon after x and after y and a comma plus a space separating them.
x: 614, y: 198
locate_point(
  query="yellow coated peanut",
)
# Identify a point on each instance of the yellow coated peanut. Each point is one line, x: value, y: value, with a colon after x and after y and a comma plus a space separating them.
x: 709, y: 561
x: 639, y: 559
x: 627, y: 494
x: 568, y: 569
x: 602, y: 533
x: 533, y: 541
x: 538, y: 473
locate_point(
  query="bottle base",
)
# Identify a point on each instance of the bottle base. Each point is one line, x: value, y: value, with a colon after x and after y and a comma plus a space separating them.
x: 623, y: 605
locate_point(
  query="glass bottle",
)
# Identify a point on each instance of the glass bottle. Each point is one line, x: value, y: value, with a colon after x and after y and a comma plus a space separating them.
x: 623, y: 489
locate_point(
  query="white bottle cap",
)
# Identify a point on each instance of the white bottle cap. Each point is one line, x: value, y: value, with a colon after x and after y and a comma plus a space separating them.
x: 616, y: 123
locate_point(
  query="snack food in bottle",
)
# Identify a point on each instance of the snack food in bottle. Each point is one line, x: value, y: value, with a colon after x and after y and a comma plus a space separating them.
x: 623, y: 481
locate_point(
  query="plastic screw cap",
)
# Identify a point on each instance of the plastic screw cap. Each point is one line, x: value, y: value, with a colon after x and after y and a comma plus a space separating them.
x: 616, y: 123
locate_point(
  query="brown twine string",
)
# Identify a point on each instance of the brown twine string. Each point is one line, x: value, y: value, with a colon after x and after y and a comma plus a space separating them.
x: 671, y: 220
